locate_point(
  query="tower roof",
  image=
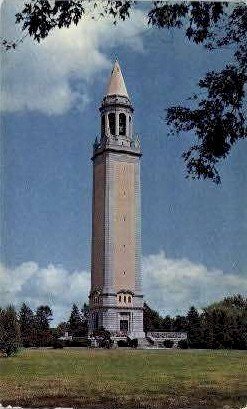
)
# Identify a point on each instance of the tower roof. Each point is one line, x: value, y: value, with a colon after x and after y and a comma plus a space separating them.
x: 116, y: 84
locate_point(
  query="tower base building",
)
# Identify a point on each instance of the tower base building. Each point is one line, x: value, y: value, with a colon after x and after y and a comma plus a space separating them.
x: 116, y: 299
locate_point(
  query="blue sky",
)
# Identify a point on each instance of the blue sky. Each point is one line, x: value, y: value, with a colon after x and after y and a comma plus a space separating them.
x: 193, y: 232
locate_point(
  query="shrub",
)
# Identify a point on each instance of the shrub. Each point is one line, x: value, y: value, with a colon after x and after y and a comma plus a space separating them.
x: 103, y: 338
x: 168, y: 343
x: 150, y: 340
x: 105, y: 343
x: 82, y: 342
x: 122, y: 343
x: 183, y: 344
x: 133, y: 343
x: 11, y: 350
x: 57, y: 344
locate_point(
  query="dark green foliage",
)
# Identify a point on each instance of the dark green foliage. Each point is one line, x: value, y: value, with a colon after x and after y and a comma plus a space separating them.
x: 218, y: 122
x: 122, y: 344
x: 152, y: 321
x: 27, y: 326
x: 10, y: 339
x: 62, y: 327
x: 220, y: 325
x: 183, y: 344
x: 76, y: 342
x: 42, y: 322
x: 225, y: 323
x: 102, y: 332
x: 197, y: 18
x: 168, y: 343
x: 216, y: 116
x: 85, y: 317
x: 103, y: 338
x: 75, y: 321
x: 133, y: 343
x: 57, y: 344
x: 195, y: 338
x: 179, y: 324
x: 35, y: 328
x: 40, y: 17
x: 77, y: 324
x: 167, y: 324
x: 105, y: 343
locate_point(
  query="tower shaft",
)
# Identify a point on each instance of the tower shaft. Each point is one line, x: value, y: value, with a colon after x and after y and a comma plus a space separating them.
x: 116, y: 301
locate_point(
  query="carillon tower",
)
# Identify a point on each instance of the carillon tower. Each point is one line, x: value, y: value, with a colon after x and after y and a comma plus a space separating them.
x: 116, y: 300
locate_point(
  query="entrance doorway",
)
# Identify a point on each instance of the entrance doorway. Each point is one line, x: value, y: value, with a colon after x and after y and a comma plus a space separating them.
x: 124, y: 325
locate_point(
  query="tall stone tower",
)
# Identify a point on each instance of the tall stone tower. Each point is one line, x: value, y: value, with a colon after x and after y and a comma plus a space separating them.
x: 116, y: 300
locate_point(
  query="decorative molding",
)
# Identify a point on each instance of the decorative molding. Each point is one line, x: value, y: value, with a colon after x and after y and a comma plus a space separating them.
x: 125, y: 292
x: 116, y: 149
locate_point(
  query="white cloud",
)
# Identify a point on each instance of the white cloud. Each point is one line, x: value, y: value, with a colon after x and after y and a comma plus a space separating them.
x: 171, y: 286
x: 40, y: 77
x: 52, y: 285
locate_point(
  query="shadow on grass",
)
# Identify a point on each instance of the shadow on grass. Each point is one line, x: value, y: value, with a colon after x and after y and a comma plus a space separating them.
x: 211, y: 399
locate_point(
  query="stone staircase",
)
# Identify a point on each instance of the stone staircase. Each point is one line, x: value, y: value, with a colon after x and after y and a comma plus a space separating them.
x: 143, y: 343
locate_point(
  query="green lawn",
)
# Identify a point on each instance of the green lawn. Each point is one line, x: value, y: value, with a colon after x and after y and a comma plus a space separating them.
x: 124, y: 379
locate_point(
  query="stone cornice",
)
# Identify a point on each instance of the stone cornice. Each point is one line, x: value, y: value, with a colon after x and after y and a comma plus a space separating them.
x: 116, y: 149
x: 115, y: 307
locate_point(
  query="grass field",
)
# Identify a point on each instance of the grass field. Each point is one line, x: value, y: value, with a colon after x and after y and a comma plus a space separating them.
x: 84, y: 378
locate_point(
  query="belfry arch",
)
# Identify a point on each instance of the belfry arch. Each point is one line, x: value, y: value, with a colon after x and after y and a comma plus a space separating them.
x: 122, y: 124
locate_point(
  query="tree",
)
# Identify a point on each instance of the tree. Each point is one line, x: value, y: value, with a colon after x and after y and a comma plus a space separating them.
x: 179, y: 323
x: 225, y: 323
x: 194, y: 328
x: 216, y: 116
x: 42, y: 321
x: 85, y: 317
x: 27, y: 326
x: 9, y: 331
x: 62, y: 327
x: 152, y: 321
x: 85, y: 312
x: 167, y: 323
x: 76, y: 323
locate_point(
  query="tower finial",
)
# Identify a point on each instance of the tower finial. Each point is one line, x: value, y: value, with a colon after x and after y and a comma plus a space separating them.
x: 116, y: 84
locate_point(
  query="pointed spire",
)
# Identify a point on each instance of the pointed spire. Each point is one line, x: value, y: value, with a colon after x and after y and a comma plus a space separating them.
x: 116, y: 85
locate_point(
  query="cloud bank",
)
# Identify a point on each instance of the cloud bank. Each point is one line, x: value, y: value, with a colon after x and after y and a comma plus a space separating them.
x: 52, y: 285
x: 53, y: 77
x: 171, y: 286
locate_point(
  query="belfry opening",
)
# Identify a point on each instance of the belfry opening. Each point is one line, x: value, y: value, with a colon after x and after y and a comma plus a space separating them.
x: 116, y: 299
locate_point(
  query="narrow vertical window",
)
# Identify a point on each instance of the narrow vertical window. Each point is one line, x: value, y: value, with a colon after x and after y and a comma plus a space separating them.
x: 125, y: 299
x: 112, y: 123
x: 103, y: 125
x: 120, y: 298
x: 122, y: 124
x: 96, y: 321
x: 129, y: 299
